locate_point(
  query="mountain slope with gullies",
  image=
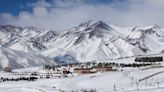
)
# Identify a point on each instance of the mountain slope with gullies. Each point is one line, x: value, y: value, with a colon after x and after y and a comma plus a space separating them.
x: 86, y: 42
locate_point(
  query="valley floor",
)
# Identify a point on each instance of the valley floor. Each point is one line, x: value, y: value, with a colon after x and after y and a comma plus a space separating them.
x: 128, y: 80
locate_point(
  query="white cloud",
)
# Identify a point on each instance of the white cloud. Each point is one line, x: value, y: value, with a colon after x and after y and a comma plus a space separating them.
x: 40, y: 11
x: 40, y: 3
x: 68, y: 3
x: 63, y: 14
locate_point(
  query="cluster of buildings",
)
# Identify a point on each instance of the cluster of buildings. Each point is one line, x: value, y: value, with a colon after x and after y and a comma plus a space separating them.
x: 66, y: 70
x: 87, y: 70
x: 76, y: 69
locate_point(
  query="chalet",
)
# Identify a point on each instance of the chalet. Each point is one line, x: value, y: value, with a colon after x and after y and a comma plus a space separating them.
x: 7, y: 69
x: 83, y: 70
x: 103, y: 67
x: 48, y: 74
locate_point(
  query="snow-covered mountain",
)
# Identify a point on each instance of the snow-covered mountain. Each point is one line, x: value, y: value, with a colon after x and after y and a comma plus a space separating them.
x: 91, y: 41
x: 150, y: 39
x: 86, y: 42
x: 19, y: 48
x: 18, y: 59
x: 19, y: 38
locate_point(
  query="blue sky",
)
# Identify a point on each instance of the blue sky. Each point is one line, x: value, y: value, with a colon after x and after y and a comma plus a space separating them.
x: 16, y: 6
x: 64, y: 14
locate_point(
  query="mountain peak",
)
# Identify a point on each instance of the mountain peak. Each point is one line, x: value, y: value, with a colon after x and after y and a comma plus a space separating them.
x: 100, y: 24
x: 85, y: 24
x: 9, y: 28
x: 93, y: 24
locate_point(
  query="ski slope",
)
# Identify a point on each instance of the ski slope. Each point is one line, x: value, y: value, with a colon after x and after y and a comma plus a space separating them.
x: 102, y: 82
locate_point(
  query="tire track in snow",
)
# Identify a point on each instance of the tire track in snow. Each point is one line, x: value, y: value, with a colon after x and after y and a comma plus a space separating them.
x: 147, y: 77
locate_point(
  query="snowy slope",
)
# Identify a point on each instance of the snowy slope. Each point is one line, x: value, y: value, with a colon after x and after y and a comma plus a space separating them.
x: 150, y: 38
x: 92, y: 41
x: 22, y: 39
x: 17, y: 59
x: 113, y: 81
x: 86, y: 42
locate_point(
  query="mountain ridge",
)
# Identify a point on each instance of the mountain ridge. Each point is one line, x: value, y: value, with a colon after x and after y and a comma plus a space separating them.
x: 86, y: 42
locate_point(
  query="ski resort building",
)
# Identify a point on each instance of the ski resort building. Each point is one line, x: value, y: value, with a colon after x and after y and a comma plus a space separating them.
x: 149, y: 59
x: 104, y: 69
x: 83, y: 70
x: 7, y: 69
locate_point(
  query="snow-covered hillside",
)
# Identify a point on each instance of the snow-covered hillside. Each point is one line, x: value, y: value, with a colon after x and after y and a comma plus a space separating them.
x: 21, y: 39
x: 113, y: 81
x: 18, y: 59
x: 97, y: 40
x: 150, y: 39
x: 85, y: 42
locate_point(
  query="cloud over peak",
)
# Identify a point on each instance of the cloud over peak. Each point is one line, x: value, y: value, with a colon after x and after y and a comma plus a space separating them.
x: 63, y: 14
